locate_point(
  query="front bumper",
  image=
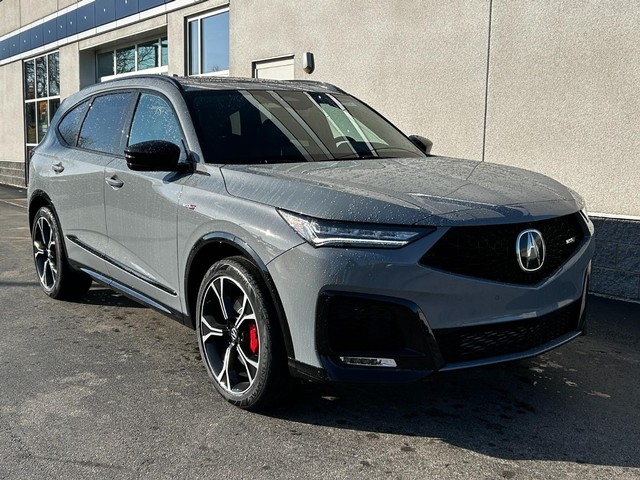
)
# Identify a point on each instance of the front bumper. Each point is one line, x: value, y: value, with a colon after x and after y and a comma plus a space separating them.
x: 445, y: 321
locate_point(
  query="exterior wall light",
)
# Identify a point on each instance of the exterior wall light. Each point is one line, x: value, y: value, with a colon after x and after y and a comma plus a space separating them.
x: 308, y: 65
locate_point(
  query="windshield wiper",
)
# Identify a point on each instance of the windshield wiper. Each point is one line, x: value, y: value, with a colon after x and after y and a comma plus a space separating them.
x: 374, y: 154
x: 357, y: 156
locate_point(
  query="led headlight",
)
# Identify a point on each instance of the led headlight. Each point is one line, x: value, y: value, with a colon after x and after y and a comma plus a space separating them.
x: 327, y: 233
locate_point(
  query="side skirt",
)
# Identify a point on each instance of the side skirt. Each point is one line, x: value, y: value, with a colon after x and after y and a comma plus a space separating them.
x: 134, y: 295
x: 121, y: 266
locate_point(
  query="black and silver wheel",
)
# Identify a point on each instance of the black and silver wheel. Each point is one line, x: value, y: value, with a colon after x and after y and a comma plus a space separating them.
x: 57, y: 278
x: 239, y: 340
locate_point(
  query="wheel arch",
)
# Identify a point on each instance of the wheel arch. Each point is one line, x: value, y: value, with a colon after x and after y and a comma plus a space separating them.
x: 217, y: 246
x: 38, y: 200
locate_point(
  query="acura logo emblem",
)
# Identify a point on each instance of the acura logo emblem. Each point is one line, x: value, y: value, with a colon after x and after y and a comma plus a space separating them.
x: 530, y: 250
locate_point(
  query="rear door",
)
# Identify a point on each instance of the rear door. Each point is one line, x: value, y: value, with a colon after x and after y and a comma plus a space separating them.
x: 142, y: 209
x: 92, y: 132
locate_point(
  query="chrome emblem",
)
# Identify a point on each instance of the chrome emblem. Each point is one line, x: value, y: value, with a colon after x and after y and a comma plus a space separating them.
x: 530, y: 250
x: 234, y: 335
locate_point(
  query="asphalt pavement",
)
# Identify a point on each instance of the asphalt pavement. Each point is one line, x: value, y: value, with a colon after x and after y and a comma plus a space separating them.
x: 104, y: 388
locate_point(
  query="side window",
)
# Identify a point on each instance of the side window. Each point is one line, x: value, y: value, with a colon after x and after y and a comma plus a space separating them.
x: 102, y: 128
x: 70, y: 124
x: 154, y: 120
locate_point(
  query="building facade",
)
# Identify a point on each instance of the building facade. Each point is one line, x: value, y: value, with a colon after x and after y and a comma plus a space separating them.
x: 550, y: 86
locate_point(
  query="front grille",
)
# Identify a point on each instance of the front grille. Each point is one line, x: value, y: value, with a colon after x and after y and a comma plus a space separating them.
x: 486, y: 341
x: 489, y: 252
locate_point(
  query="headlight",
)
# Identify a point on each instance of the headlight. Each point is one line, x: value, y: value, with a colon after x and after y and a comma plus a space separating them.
x: 327, y: 233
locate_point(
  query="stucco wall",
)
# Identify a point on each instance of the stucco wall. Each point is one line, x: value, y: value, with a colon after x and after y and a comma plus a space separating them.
x: 422, y: 63
x: 31, y: 10
x: 69, y: 69
x: 12, y: 146
x: 563, y: 95
x: 10, y: 16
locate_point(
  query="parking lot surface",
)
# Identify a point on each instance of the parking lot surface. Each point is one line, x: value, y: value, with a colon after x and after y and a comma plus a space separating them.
x: 104, y: 388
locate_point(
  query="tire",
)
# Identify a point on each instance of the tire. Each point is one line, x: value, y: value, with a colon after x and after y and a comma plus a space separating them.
x: 57, y: 278
x: 239, y: 336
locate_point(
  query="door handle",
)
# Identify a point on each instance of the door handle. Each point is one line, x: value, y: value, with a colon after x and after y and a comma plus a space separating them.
x: 114, y: 181
x: 57, y: 167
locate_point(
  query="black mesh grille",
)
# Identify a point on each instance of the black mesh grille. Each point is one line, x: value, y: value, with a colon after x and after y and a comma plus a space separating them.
x: 476, y: 343
x: 490, y: 251
x: 373, y: 326
x: 356, y: 326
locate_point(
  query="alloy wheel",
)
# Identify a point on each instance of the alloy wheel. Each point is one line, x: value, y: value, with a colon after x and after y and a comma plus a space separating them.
x: 46, y: 255
x: 229, y: 335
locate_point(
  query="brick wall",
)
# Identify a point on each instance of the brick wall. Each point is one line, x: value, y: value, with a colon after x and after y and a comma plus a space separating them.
x: 12, y: 173
x: 616, y: 264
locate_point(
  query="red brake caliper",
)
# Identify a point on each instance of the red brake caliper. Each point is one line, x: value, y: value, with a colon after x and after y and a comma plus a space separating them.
x: 253, y: 338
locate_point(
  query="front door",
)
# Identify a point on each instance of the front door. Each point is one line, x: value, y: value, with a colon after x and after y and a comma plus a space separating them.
x: 141, y: 211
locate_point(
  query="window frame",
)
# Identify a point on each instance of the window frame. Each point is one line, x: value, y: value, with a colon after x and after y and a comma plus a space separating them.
x: 189, y: 21
x: 161, y: 69
x: 124, y: 126
x: 127, y: 120
x: 36, y: 100
x: 61, y: 138
x: 131, y: 116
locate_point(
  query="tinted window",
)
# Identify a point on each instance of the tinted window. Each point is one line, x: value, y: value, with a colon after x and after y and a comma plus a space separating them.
x: 102, y: 128
x: 291, y: 126
x: 154, y: 120
x: 70, y: 124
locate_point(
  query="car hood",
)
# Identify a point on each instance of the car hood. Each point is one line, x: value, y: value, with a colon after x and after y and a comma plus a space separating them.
x: 434, y: 191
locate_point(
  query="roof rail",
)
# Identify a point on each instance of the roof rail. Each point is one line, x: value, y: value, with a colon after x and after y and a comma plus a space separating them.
x: 245, y: 81
x: 154, y: 76
x: 181, y: 82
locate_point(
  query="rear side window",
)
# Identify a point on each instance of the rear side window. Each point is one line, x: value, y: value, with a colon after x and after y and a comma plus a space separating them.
x: 70, y: 124
x: 102, y: 128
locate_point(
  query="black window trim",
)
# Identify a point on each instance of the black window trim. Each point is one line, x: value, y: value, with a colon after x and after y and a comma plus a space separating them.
x: 127, y: 114
x: 68, y: 112
x: 125, y: 120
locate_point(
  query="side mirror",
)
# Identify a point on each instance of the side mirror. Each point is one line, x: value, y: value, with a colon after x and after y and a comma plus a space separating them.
x: 424, y: 144
x: 154, y: 156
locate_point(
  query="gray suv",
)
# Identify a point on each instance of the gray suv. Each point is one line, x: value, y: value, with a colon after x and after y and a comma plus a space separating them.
x: 299, y: 232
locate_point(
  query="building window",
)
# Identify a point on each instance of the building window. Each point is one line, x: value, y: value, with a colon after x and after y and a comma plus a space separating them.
x: 147, y: 57
x: 42, y: 96
x: 208, y: 44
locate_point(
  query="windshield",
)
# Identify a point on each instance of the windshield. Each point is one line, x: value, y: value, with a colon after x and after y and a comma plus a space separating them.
x: 249, y: 127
